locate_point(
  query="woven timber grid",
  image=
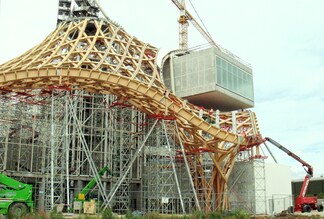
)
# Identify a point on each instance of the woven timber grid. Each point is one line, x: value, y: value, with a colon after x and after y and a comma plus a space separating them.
x: 100, y: 57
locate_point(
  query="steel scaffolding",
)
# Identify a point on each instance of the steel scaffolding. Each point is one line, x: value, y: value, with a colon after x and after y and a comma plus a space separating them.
x: 166, y: 181
x: 42, y: 142
x: 247, y: 187
x: 45, y: 135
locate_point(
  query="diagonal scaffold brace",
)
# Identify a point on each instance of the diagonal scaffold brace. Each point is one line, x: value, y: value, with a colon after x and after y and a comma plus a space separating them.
x: 113, y: 191
x: 88, y: 154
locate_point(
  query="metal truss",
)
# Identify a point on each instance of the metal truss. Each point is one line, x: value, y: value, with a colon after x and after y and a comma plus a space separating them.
x: 55, y: 171
x: 247, y: 189
x: 161, y: 181
x: 260, y: 187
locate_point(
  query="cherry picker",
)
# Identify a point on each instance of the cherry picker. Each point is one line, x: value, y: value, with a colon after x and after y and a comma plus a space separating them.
x: 302, y: 203
x: 80, y: 198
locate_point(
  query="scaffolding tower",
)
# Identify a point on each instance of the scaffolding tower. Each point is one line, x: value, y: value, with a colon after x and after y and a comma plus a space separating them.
x: 41, y: 143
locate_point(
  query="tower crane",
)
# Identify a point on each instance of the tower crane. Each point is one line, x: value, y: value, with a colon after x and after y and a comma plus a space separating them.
x: 185, y: 16
x: 183, y: 26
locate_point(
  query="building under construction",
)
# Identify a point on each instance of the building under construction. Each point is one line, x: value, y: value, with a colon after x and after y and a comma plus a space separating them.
x: 91, y: 96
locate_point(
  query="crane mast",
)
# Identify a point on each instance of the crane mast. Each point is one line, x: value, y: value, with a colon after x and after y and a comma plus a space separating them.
x: 183, y: 30
x: 183, y: 27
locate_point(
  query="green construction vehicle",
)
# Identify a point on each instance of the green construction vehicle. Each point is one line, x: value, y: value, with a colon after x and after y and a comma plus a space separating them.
x: 15, y: 197
x: 80, y: 198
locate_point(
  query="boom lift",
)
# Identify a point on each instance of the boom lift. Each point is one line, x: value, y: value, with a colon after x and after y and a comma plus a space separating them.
x: 302, y: 203
x: 80, y: 198
x: 15, y: 197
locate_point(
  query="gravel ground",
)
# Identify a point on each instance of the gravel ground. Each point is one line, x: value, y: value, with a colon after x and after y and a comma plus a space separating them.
x: 299, y: 215
x: 310, y: 213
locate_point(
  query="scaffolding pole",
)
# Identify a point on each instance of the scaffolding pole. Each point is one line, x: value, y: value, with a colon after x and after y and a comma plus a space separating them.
x: 173, y: 168
x: 67, y: 161
x: 52, y: 153
x: 88, y: 154
x: 121, y: 179
x: 188, y: 169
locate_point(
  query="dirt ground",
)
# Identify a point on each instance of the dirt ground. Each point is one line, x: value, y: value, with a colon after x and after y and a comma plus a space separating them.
x: 296, y: 215
x: 283, y: 217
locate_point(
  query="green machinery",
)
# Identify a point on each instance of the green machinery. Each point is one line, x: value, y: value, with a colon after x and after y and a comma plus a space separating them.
x: 15, y: 197
x: 80, y: 198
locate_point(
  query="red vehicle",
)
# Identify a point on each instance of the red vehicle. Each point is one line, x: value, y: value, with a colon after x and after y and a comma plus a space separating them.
x: 302, y: 203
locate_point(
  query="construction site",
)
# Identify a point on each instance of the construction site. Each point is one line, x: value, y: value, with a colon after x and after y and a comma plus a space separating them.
x: 91, y: 107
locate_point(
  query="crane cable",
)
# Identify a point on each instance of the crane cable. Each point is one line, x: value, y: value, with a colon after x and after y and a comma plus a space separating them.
x: 199, y: 17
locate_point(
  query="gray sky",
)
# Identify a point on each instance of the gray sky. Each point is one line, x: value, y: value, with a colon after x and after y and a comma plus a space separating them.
x: 283, y: 40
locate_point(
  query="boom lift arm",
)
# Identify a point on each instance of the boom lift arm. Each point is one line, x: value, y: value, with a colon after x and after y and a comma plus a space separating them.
x: 302, y: 203
x: 304, y: 163
x: 11, y: 183
x: 81, y: 195
x: 309, y: 170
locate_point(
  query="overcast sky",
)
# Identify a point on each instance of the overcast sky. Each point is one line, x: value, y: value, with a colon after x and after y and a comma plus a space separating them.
x: 283, y: 41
